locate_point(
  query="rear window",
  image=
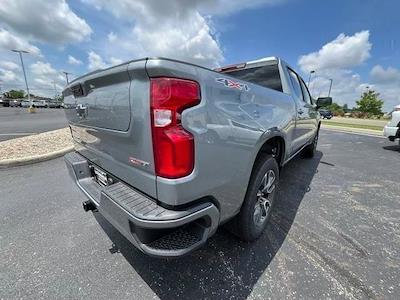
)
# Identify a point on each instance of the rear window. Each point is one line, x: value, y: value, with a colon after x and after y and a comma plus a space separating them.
x: 267, y: 76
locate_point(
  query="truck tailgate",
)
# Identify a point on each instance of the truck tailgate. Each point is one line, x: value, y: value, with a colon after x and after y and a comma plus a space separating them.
x: 106, y: 111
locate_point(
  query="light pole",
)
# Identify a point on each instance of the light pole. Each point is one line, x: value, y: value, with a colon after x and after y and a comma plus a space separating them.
x: 66, y: 76
x: 23, y: 69
x: 309, y: 78
x: 55, y: 90
x: 330, y: 87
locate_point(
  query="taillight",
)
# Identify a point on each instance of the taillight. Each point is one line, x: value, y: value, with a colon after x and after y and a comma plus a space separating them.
x: 173, y: 145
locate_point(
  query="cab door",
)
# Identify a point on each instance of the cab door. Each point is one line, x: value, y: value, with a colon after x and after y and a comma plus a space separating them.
x: 302, y: 129
x: 311, y: 108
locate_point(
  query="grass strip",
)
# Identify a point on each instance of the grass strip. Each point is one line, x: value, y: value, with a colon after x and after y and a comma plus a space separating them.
x: 361, y: 126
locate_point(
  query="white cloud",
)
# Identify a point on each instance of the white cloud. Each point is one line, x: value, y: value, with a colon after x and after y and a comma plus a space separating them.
x: 177, y: 8
x: 9, y: 41
x: 115, y: 61
x: 9, y: 65
x: 95, y: 61
x: 348, y: 86
x: 335, y: 60
x: 180, y: 29
x: 225, y: 7
x: 7, y: 75
x: 42, y: 69
x: 46, y: 21
x: 389, y: 76
x: 112, y: 37
x: 44, y: 78
x: 74, y: 61
x: 173, y: 29
x: 341, y: 53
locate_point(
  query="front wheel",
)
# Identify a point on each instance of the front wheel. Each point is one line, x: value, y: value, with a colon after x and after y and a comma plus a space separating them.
x: 256, y: 210
x: 311, y: 149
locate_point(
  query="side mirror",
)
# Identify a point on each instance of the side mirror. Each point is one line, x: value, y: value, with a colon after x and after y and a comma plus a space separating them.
x: 324, y: 101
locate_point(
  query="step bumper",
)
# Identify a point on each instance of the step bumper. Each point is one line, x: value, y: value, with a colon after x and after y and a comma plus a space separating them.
x: 153, y: 229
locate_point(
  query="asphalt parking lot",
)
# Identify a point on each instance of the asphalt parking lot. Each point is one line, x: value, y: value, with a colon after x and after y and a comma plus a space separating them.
x: 17, y: 121
x: 334, y: 234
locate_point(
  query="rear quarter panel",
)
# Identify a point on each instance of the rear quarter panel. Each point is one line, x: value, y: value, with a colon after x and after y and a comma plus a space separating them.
x: 229, y: 126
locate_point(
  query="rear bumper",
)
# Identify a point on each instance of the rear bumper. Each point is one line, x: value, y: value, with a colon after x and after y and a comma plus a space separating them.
x: 153, y: 229
x: 390, y: 131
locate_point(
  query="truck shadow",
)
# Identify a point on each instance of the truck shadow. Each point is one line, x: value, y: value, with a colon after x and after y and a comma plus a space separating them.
x: 225, y: 268
x: 392, y: 148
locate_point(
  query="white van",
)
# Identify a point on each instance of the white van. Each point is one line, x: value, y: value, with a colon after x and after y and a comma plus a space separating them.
x: 392, y: 128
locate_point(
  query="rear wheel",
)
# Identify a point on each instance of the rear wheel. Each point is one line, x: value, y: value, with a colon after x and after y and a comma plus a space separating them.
x: 250, y: 223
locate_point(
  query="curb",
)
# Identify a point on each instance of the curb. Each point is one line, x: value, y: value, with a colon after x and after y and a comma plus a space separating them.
x: 8, y: 163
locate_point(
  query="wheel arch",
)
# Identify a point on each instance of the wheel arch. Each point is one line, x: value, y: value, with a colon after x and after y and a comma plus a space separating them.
x: 274, y: 144
x: 266, y: 146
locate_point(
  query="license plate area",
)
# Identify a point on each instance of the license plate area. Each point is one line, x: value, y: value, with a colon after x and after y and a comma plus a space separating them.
x: 101, y: 177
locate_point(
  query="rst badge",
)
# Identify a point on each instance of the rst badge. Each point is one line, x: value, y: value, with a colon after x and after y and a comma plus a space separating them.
x: 233, y: 84
x: 138, y: 162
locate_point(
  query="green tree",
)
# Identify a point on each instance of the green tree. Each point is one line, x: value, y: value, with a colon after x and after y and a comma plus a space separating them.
x: 13, y: 94
x: 370, y: 103
x: 59, y: 98
x: 336, y: 109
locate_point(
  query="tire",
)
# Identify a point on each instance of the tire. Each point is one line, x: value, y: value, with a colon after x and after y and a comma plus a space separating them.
x: 256, y: 210
x: 311, y: 149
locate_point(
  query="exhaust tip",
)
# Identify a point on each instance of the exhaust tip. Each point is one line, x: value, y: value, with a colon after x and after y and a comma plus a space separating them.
x: 89, y: 206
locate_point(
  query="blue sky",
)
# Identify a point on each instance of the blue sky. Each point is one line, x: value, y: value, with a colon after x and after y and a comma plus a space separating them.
x: 356, y: 43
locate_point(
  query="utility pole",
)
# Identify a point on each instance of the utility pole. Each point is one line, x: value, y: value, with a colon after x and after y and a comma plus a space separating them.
x: 23, y: 69
x: 330, y: 87
x: 66, y: 76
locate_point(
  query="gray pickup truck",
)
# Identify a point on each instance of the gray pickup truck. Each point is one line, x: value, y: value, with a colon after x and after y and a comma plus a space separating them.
x: 168, y: 151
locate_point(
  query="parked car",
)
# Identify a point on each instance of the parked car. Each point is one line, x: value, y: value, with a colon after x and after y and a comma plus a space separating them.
x: 148, y: 160
x: 5, y: 102
x: 325, y: 113
x: 39, y: 103
x: 25, y: 103
x: 53, y: 104
x: 15, y: 103
x: 392, y: 128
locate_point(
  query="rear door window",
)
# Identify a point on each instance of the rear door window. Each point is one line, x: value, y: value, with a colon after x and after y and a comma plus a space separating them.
x: 306, y: 93
x: 267, y: 76
x: 296, y: 85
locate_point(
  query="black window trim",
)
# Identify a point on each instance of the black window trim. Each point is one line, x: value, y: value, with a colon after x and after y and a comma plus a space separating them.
x: 308, y: 92
x: 298, y: 78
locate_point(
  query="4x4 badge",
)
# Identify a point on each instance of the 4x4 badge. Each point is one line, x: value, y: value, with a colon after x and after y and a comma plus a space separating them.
x: 233, y: 84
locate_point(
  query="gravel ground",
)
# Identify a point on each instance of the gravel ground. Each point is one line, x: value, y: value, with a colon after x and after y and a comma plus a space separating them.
x: 35, y: 144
